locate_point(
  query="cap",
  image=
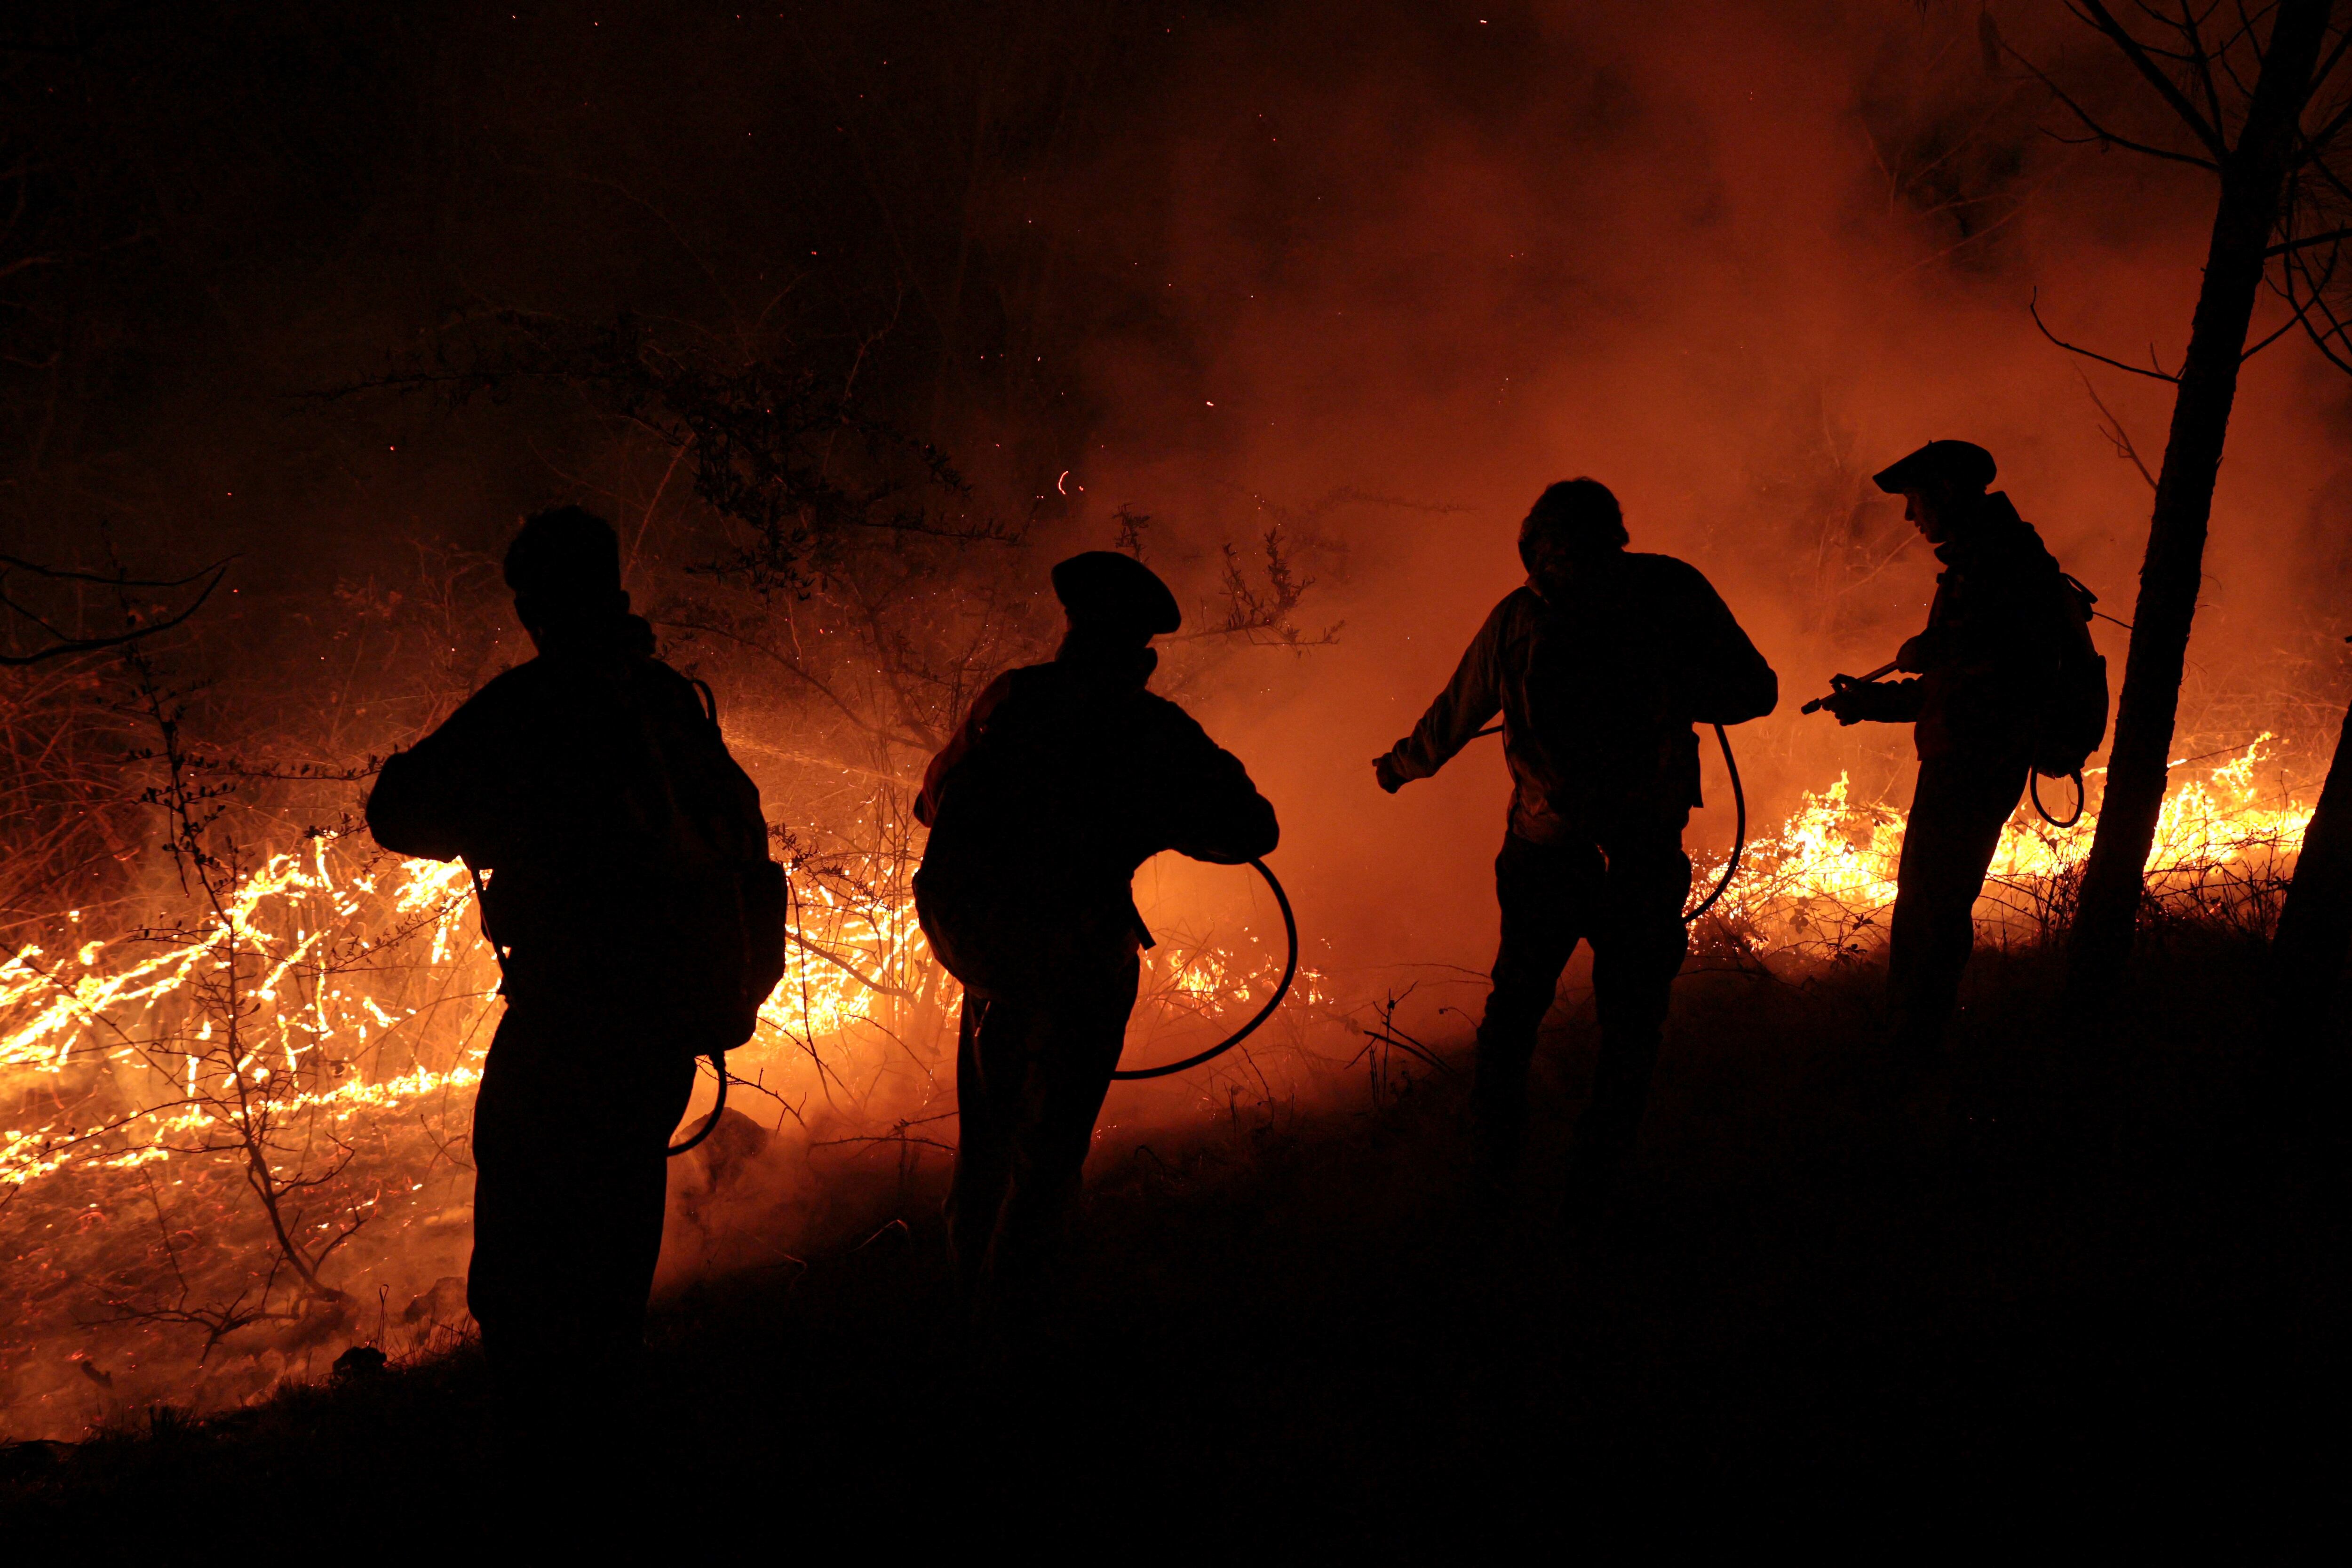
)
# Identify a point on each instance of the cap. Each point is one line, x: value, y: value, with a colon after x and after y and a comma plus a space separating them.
x: 1961, y: 464
x: 1107, y: 591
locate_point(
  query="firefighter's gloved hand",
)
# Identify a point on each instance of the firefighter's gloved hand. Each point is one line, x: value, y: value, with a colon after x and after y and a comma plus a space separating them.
x: 1856, y: 701
x: 1390, y: 777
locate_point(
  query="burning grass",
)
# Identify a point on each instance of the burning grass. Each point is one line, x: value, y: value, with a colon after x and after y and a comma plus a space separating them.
x: 237, y: 1144
x: 241, y: 1143
x: 1820, y: 888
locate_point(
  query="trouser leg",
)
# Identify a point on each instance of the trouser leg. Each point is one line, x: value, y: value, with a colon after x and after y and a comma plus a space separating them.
x: 571, y: 1181
x: 1957, y: 811
x: 1639, y: 942
x: 987, y: 1105
x: 1071, y: 1050
x: 1542, y: 890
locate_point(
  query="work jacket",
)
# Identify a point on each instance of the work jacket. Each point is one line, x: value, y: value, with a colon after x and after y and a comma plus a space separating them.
x: 1995, y: 634
x: 1598, y: 687
x: 1063, y: 779
x: 592, y: 788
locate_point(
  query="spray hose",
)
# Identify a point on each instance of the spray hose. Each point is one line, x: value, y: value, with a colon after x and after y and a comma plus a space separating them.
x: 1739, y: 831
x: 719, y: 1062
x: 2033, y: 790
x: 718, y: 1058
x: 1290, y: 973
x: 1739, y: 828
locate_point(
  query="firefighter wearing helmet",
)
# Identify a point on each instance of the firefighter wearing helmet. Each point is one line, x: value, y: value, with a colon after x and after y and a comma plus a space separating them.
x: 1599, y: 665
x: 1064, y: 778
x: 2005, y: 681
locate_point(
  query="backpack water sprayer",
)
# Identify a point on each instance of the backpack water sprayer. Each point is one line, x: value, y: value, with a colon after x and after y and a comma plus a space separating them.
x: 2071, y: 721
x: 718, y: 1058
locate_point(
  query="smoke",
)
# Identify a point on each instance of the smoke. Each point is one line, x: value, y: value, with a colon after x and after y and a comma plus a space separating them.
x: 1370, y: 274
x: 1728, y: 259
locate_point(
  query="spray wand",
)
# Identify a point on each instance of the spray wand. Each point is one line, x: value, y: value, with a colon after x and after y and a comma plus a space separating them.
x: 1839, y: 684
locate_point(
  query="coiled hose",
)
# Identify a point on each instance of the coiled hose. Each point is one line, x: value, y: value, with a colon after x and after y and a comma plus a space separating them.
x: 1290, y: 923
x: 1289, y: 972
x: 2033, y: 789
x: 1739, y: 831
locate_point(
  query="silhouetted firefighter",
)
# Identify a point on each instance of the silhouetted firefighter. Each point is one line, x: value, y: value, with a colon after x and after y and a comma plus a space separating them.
x: 1064, y: 779
x: 2007, y: 682
x: 639, y: 922
x: 1600, y: 664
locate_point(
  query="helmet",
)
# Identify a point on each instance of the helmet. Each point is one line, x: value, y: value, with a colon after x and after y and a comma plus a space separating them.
x: 1939, y: 465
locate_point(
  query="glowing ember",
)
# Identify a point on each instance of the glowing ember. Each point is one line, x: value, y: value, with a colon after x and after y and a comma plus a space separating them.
x: 366, y: 981
x: 318, y: 1033
x: 348, y: 959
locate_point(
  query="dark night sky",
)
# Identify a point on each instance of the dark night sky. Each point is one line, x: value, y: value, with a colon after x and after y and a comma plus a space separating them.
x: 1214, y: 261
x: 1039, y: 225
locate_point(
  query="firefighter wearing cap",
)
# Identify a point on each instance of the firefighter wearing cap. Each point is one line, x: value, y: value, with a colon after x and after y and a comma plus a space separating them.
x: 1064, y: 778
x: 1599, y: 665
x: 1995, y: 632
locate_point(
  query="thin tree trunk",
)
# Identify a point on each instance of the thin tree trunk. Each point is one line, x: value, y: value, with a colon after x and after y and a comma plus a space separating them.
x: 2315, y: 929
x: 2253, y: 178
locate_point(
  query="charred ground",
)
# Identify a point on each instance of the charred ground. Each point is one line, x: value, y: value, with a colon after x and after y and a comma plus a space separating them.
x: 2032, y: 1281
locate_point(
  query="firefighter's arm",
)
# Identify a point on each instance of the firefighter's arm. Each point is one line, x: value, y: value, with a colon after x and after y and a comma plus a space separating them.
x: 1217, y: 812
x: 1875, y: 701
x: 1731, y: 682
x: 426, y: 799
x: 935, y: 777
x: 1230, y: 821
x: 1474, y: 696
x: 1929, y: 650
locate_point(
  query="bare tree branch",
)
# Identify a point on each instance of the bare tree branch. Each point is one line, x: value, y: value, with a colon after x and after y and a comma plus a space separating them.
x: 2189, y: 28
x: 89, y: 645
x: 2328, y: 67
x: 2103, y: 21
x: 2286, y: 247
x: 2115, y: 432
x: 2318, y: 304
x: 2033, y: 308
x: 63, y: 575
x: 2099, y: 133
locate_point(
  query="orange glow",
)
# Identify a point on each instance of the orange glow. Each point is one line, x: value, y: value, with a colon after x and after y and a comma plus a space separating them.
x: 1824, y: 883
x: 330, y: 1031
x: 365, y: 998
